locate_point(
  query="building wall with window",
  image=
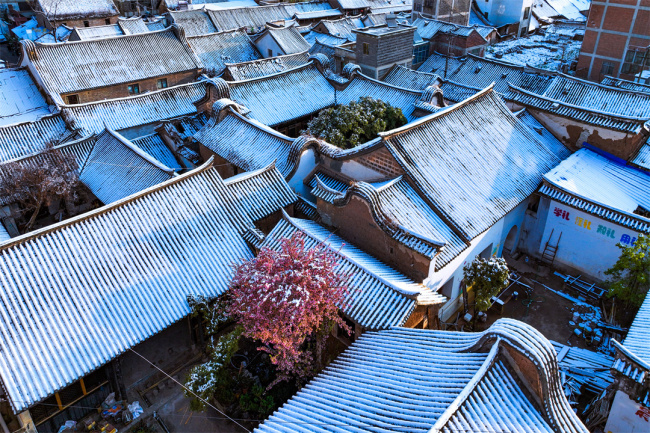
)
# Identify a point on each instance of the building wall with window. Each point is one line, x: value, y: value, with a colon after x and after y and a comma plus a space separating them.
x: 616, y: 41
x: 504, y: 12
x: 451, y: 11
x: 129, y: 89
x: 379, y: 49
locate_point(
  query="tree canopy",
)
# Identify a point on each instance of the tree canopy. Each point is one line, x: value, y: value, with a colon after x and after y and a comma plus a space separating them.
x: 33, y: 184
x: 630, y: 275
x: 347, y: 126
x: 487, y: 278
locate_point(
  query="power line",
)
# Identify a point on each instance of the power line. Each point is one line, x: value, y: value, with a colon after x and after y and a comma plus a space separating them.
x: 187, y: 389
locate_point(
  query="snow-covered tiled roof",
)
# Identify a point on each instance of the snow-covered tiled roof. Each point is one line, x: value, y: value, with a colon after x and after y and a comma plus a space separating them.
x: 83, y: 65
x: 343, y: 27
x: 20, y: 99
x: 385, y: 6
x: 285, y: 96
x: 599, y: 98
x: 249, y: 144
x: 406, y: 78
x: 545, y: 136
x: 428, y: 28
x: 601, y: 186
x: 488, y: 169
x: 217, y: 49
x: 314, y: 37
x: 262, y: 192
x: 95, y: 32
x: 262, y: 67
x: 154, y: 146
x: 30, y: 137
x: 131, y: 26
x: 4, y: 235
x: 619, y: 122
x: 361, y: 86
x: 304, y: 90
x: 75, y: 9
x: 378, y: 296
x: 353, y: 4
x: 156, y: 25
x: 625, y: 84
x: 123, y: 113
x: 480, y: 72
x: 642, y: 158
x: 195, y: 22
x: 419, y: 380
x: 116, y: 168
x: 135, y: 260
x: 288, y: 39
x: 636, y: 340
x: 405, y: 216
x: 547, y: 9
x: 251, y: 18
x: 456, y: 92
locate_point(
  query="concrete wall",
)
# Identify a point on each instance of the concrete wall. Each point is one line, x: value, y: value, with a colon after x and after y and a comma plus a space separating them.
x: 588, y: 243
x: 490, y: 243
x: 627, y: 416
x: 306, y: 165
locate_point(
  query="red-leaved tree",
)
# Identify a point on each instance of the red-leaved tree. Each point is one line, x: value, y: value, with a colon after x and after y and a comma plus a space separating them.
x: 288, y: 299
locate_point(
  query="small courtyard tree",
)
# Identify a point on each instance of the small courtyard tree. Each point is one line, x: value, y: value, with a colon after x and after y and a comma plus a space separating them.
x: 630, y: 275
x: 487, y: 278
x: 347, y: 126
x: 287, y: 301
x: 38, y: 182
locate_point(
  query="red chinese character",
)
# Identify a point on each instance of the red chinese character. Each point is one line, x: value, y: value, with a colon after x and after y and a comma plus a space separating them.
x: 644, y: 413
x: 557, y: 211
x: 565, y: 215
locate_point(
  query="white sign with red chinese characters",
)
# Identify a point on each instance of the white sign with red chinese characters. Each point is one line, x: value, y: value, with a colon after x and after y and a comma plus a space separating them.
x: 627, y: 416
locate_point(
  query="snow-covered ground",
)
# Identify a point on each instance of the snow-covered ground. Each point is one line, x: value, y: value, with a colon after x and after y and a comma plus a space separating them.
x: 536, y: 51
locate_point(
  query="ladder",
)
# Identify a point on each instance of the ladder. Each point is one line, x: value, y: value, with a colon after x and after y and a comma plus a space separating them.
x: 548, y: 255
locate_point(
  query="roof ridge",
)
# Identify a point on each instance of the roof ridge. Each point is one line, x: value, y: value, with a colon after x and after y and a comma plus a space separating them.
x: 259, y: 125
x: 464, y: 395
x: 107, y: 208
x: 42, y: 118
x: 57, y: 147
x: 268, y: 59
x: 578, y: 107
x: 250, y: 174
x: 603, y: 86
x: 38, y: 44
x: 310, y: 63
x: 409, y: 126
x: 383, y: 280
x: 141, y: 153
x: 240, y: 29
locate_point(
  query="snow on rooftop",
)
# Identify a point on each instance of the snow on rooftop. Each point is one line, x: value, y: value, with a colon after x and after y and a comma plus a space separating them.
x: 495, y: 164
x: 217, y: 49
x: 262, y: 67
x: 20, y: 99
x: 602, y: 181
x: 18, y: 140
x: 116, y: 261
x: 379, y: 297
x: 75, y: 9
x: 637, y: 337
x: 535, y: 51
x: 642, y: 158
x: 420, y: 380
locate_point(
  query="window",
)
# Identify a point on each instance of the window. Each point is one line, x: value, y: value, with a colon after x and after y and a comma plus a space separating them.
x: 366, y: 48
x: 607, y: 68
x: 270, y: 52
x: 86, y: 23
x: 134, y: 89
x: 162, y: 83
x: 526, y: 13
x: 107, y: 21
x: 636, y: 60
x: 420, y: 53
x: 72, y: 99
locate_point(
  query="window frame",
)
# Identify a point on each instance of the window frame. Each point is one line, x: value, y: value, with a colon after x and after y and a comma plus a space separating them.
x: 161, y: 83
x: 133, y: 89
